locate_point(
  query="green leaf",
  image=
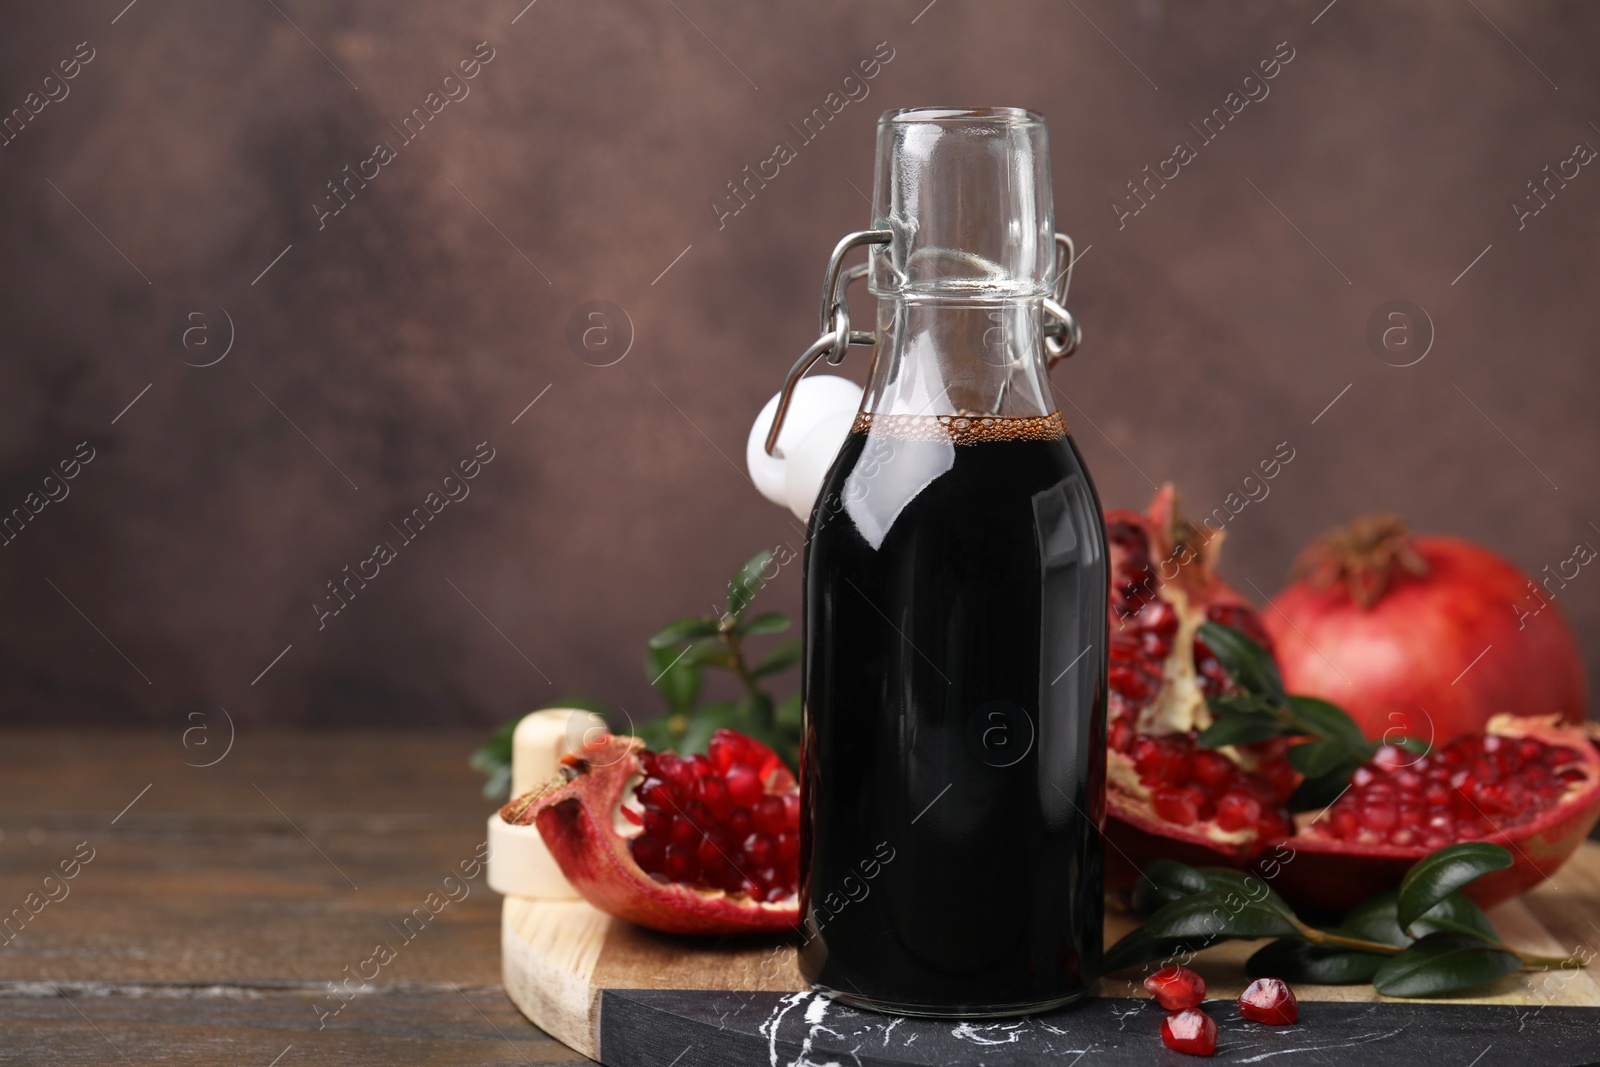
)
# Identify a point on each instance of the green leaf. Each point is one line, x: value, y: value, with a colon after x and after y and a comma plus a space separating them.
x: 1441, y: 873
x: 1163, y: 881
x: 712, y: 650
x: 769, y: 622
x: 1241, y: 729
x: 1319, y: 792
x: 1299, y: 961
x: 1331, y: 722
x: 790, y: 714
x: 779, y: 659
x: 757, y: 711
x: 1414, y: 745
x: 1213, y: 915
x: 747, y: 583
x: 1139, y: 947
x: 1315, y: 759
x: 706, y: 721
x: 680, y: 630
x: 1250, y: 666
x: 1374, y: 920
x: 1455, y: 914
x: 1443, y: 963
x: 1249, y: 887
x: 677, y: 682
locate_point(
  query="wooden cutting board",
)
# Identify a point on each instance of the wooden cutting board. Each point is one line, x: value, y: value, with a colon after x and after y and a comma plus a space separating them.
x: 622, y: 995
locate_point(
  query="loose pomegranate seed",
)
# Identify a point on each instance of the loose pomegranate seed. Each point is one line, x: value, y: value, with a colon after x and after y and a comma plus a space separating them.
x: 1270, y: 1001
x: 1191, y: 1031
x: 1176, y: 988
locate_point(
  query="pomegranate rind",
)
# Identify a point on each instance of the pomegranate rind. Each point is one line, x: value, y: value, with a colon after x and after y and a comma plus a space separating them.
x: 1337, y: 875
x: 578, y: 815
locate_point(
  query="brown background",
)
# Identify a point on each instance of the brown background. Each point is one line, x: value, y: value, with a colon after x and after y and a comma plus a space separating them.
x: 409, y: 329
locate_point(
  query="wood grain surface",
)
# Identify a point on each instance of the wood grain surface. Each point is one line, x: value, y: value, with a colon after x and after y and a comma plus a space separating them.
x: 216, y: 909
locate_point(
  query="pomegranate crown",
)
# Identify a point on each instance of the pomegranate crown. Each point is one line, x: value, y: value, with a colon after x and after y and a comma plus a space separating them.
x: 1364, y: 556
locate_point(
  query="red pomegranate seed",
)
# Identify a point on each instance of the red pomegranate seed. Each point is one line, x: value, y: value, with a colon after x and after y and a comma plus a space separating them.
x: 1379, y: 815
x: 1191, y: 1031
x: 658, y: 793
x: 714, y: 795
x: 712, y: 850
x: 769, y: 814
x: 760, y: 849
x: 680, y: 864
x: 744, y: 785
x: 1176, y: 988
x: 1177, y: 806
x: 1212, y: 769
x: 1270, y: 1001
x: 788, y: 846
x: 1236, y: 811
x: 683, y: 832
x: 1119, y: 735
x: 648, y: 853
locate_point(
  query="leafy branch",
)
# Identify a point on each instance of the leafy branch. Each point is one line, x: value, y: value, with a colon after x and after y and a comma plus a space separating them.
x: 1422, y: 939
x: 675, y: 659
x: 1260, y: 709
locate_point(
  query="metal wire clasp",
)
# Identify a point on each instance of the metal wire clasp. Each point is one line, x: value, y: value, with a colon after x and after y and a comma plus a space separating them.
x: 1062, y: 334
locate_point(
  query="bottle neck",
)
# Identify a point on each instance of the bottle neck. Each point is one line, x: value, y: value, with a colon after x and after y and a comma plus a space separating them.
x: 941, y: 357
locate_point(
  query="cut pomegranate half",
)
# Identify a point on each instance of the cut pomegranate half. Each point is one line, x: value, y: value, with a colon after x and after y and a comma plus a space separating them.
x: 1530, y: 784
x: 705, y: 845
x: 1168, y: 797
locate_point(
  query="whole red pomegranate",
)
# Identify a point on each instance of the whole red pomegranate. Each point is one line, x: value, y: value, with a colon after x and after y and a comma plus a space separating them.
x: 1428, y: 636
x: 704, y: 845
x: 1529, y: 783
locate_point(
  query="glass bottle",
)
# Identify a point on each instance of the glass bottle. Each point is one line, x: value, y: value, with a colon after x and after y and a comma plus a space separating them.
x: 955, y: 611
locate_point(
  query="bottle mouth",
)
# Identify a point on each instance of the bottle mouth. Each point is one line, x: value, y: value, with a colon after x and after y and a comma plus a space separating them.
x: 1018, y: 116
x: 965, y: 195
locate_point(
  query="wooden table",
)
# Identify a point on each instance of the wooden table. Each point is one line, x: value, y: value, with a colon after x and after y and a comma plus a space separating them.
x: 218, y: 907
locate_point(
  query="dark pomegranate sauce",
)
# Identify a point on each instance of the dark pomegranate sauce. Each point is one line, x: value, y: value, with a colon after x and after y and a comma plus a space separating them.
x: 954, y: 747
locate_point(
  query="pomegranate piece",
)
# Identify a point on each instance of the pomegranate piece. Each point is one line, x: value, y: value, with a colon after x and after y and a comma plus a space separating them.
x: 1270, y: 1001
x: 1163, y: 786
x: 1190, y: 1030
x: 1176, y: 988
x: 705, y: 845
x: 1530, y: 783
x: 1383, y: 623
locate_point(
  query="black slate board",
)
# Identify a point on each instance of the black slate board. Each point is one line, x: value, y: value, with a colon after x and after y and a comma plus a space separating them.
x: 689, y: 1028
